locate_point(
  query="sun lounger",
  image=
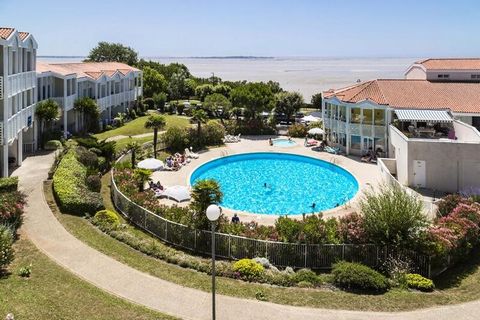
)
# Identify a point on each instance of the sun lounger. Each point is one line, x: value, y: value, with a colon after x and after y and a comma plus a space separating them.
x: 332, y: 150
x: 190, y: 154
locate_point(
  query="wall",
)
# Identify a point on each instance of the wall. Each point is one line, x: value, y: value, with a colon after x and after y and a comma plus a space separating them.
x: 399, y: 151
x: 453, y: 75
x: 416, y: 72
x: 465, y: 132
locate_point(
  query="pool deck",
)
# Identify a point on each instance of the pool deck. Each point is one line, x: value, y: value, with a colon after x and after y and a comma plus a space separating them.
x: 367, y: 175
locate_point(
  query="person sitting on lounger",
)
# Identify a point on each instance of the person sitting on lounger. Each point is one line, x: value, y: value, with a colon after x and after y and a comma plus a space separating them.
x: 235, y: 218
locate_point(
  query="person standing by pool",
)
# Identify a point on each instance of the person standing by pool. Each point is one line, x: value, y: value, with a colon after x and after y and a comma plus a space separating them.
x: 235, y: 218
x: 270, y: 142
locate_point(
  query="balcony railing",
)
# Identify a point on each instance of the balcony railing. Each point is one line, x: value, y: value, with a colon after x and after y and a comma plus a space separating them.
x: 116, y: 99
x: 20, y: 82
x: 18, y: 122
x: 66, y: 102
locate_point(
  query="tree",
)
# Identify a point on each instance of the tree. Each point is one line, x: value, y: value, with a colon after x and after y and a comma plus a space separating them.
x: 176, y: 86
x: 133, y: 147
x: 288, y: 103
x: 204, y: 193
x: 218, y: 104
x: 159, y: 100
x: 117, y: 52
x: 153, y: 82
x: 317, y: 101
x: 222, y: 89
x: 392, y: 216
x: 253, y: 97
x: 203, y: 90
x: 274, y: 86
x: 155, y: 122
x: 89, y: 108
x: 176, y: 139
x: 199, y: 116
x: 141, y: 176
x: 46, y: 112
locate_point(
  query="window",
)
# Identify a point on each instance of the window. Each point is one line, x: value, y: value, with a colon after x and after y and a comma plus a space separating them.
x: 367, y: 116
x: 355, y: 116
x: 356, y: 142
x: 379, y: 117
x: 443, y: 76
x: 475, y: 76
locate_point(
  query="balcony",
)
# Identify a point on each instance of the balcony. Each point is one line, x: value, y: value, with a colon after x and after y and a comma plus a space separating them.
x: 20, y: 82
x: 116, y: 99
x: 66, y: 102
x: 18, y: 122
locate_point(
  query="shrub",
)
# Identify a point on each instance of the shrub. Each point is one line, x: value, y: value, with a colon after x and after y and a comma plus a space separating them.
x: 69, y: 187
x: 159, y: 99
x: 248, y: 269
x: 176, y: 139
x: 86, y: 157
x: 52, y: 145
x: 25, y: 271
x: 392, y: 216
x: 94, y: 183
x: 214, y: 133
x: 106, y: 220
x: 149, y: 103
x: 288, y: 229
x: 306, y: 275
x: 180, y: 108
x: 416, y: 281
x: 6, y: 246
x: 448, y: 203
x: 355, y: 276
x: 467, y: 211
x: 305, y: 284
x: 351, y: 229
x: 11, y: 208
x: 95, y: 150
x: 297, y: 131
x: 9, y: 184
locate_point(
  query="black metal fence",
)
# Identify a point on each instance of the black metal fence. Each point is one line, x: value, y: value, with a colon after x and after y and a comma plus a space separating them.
x: 313, y: 256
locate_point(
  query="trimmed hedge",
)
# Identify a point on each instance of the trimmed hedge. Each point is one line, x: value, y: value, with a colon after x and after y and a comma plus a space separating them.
x: 418, y: 282
x: 248, y: 269
x: 9, y: 184
x: 69, y: 187
x: 52, y: 145
x: 106, y: 220
x: 356, y: 276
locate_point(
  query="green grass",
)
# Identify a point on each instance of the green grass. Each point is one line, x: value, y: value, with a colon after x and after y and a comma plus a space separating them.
x: 137, y: 126
x: 122, y: 143
x: 459, y: 285
x: 189, y: 100
x: 51, y: 292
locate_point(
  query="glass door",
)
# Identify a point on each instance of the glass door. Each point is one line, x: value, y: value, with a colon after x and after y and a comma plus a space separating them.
x: 367, y: 144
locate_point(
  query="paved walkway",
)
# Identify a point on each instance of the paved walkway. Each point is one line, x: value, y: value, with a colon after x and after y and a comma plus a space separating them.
x: 143, y: 135
x: 49, y: 236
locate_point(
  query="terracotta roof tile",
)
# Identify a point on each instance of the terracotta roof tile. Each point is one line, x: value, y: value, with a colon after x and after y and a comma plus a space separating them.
x: 92, y: 70
x: 403, y: 93
x: 23, y: 35
x: 451, y: 64
x: 6, y: 32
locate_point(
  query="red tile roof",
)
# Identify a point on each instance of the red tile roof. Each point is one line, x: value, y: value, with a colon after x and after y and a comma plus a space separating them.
x: 405, y: 93
x: 5, y: 32
x: 23, y: 35
x: 92, y: 70
x: 451, y: 64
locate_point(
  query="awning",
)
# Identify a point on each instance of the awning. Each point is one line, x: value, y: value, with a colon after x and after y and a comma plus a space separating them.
x: 423, y: 115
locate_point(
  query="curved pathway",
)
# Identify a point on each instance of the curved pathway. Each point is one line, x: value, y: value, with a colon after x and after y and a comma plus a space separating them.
x: 48, y: 235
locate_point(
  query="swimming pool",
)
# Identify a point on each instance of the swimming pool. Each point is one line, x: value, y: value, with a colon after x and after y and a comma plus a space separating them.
x: 278, y: 183
x: 283, y: 143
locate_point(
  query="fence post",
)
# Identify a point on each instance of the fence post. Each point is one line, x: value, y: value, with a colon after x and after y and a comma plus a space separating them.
x: 266, y: 249
x: 305, y: 260
x: 229, y: 245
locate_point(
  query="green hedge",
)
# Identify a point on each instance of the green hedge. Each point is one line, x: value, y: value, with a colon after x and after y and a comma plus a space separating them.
x: 356, y: 276
x: 9, y: 184
x: 52, y: 145
x: 70, y: 190
x: 416, y: 281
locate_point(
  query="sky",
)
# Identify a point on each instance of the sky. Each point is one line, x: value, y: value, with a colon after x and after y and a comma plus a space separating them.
x: 186, y: 28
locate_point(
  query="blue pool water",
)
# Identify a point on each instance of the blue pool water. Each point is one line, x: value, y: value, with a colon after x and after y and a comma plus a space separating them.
x: 284, y: 143
x: 294, y: 183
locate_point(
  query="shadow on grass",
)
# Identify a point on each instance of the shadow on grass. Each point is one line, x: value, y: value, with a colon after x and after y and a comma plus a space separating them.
x: 454, y: 276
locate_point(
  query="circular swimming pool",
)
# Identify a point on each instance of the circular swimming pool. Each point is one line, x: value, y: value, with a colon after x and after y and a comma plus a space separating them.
x: 281, y: 142
x: 278, y: 183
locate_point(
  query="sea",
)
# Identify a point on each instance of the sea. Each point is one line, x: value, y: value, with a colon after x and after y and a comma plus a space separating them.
x: 307, y: 75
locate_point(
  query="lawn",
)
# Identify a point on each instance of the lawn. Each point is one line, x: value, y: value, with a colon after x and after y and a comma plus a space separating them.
x: 137, y: 126
x: 54, y: 293
x: 459, y: 285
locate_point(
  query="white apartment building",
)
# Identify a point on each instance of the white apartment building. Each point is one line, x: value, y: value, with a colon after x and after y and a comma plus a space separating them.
x: 114, y: 86
x: 17, y: 96
x: 427, y: 124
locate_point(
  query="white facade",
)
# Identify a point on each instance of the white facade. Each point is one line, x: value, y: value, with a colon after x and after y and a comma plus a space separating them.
x: 113, y: 91
x: 17, y: 96
x: 356, y: 127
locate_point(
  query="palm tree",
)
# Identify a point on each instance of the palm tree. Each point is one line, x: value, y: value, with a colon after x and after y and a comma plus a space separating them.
x: 46, y: 112
x: 155, y: 122
x: 90, y: 110
x: 133, y: 147
x: 141, y: 176
x: 199, y: 116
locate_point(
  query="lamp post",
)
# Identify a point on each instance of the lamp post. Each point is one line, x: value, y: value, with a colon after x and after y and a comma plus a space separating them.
x: 213, y: 213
